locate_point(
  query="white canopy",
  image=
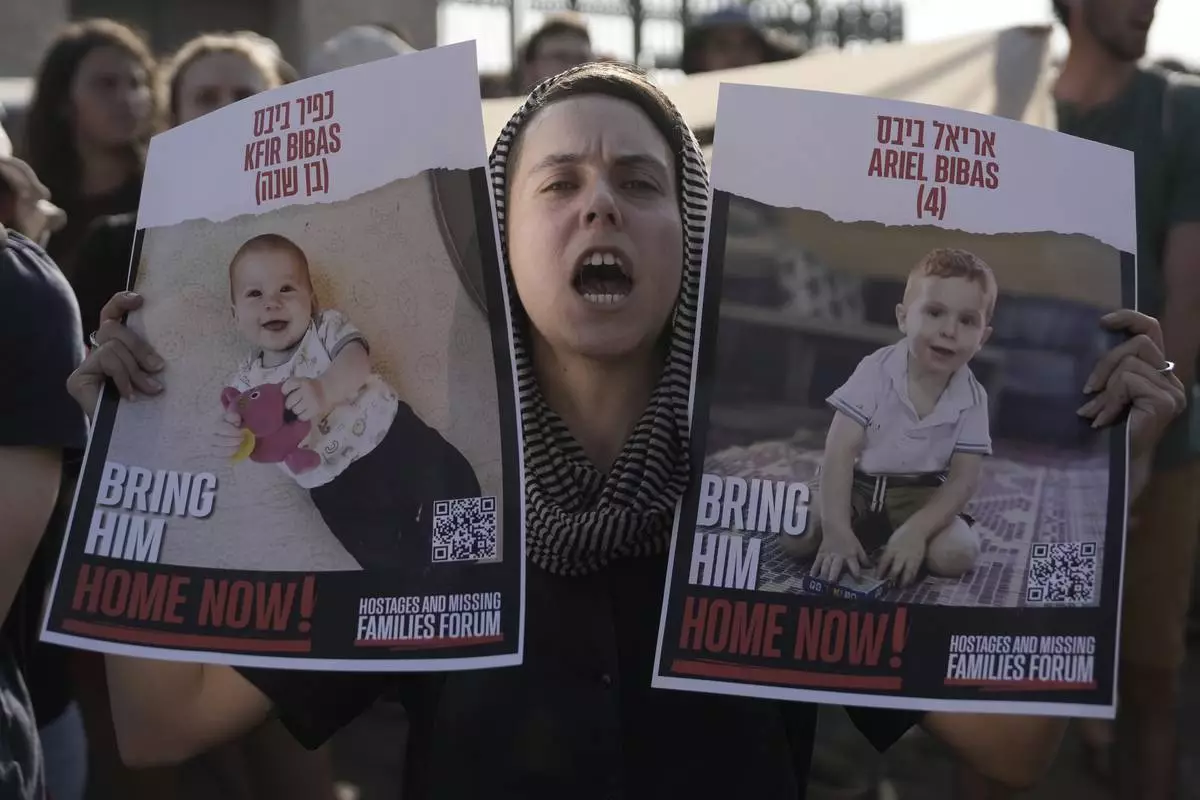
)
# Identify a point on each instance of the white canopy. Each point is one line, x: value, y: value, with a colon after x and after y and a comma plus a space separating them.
x: 1005, y: 73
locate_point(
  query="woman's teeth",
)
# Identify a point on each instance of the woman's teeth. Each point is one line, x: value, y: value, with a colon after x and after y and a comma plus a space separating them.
x: 605, y: 299
x: 601, y: 279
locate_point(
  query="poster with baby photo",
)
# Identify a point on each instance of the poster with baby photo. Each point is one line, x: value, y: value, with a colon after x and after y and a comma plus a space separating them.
x: 330, y: 476
x: 897, y: 500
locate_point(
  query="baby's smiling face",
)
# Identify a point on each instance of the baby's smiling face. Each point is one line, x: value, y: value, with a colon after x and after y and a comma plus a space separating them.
x: 272, y: 298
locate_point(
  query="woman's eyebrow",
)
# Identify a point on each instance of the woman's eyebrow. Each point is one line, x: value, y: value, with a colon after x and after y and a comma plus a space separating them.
x: 631, y: 160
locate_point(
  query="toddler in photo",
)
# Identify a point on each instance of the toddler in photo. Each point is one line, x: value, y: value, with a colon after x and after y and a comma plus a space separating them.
x: 307, y: 399
x: 904, y: 451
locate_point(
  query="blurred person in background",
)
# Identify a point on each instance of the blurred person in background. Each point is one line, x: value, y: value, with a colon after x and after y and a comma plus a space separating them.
x: 1104, y: 94
x: 90, y: 119
x: 728, y: 39
x: 561, y: 42
x: 356, y: 45
x: 25, y: 205
x: 208, y: 72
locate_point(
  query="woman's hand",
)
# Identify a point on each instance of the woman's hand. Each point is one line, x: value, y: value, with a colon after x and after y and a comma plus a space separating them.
x: 1135, y: 375
x: 119, y: 354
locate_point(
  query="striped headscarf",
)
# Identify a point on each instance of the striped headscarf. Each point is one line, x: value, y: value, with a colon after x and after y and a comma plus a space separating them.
x: 578, y: 519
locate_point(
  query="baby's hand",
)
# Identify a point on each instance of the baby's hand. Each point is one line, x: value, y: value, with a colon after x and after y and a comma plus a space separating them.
x: 305, y: 397
x: 227, y: 436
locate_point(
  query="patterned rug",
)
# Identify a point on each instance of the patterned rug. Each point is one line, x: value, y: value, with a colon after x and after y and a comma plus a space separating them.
x: 1025, y: 498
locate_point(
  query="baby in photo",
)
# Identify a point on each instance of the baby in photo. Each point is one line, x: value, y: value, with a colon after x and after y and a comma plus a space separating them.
x: 307, y: 399
x: 904, y: 451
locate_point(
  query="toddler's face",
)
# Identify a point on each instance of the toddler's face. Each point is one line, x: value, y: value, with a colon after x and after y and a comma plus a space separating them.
x: 944, y: 323
x: 272, y: 299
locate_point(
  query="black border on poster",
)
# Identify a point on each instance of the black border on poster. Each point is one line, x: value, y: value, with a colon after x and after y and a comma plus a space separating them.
x: 328, y: 631
x: 911, y: 667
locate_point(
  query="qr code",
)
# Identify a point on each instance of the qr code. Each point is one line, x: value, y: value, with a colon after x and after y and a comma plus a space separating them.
x: 1062, y: 572
x: 464, y: 530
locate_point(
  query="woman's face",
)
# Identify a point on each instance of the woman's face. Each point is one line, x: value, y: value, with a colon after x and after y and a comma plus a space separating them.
x: 216, y: 80
x: 109, y: 98
x: 595, y: 235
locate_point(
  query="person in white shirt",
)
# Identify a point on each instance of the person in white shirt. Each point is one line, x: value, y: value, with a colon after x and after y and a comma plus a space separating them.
x: 373, y: 469
x: 905, y: 448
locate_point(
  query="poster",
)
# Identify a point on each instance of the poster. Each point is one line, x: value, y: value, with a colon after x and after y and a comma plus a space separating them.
x: 901, y: 308
x: 331, y: 477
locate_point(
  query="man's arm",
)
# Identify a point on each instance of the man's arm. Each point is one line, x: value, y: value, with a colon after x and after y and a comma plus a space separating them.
x: 29, y: 485
x: 1014, y: 751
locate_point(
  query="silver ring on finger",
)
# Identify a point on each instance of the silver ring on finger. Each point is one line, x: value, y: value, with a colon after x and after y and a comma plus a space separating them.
x: 1168, y: 366
x: 93, y: 340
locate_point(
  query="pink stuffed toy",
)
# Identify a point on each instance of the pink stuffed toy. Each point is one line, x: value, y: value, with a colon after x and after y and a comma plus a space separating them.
x: 273, y: 432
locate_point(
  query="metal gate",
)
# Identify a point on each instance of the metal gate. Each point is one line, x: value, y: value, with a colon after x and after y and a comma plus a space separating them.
x: 811, y: 23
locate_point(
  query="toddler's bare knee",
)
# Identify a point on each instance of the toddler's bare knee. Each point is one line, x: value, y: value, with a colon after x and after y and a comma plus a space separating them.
x: 955, y: 551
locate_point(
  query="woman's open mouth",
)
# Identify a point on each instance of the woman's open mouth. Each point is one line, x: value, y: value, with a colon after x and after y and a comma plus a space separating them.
x: 601, y: 278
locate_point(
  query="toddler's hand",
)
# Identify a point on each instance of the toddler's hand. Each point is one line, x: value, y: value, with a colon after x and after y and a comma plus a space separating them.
x: 305, y: 397
x: 227, y: 436
x: 903, y: 556
x: 838, y: 551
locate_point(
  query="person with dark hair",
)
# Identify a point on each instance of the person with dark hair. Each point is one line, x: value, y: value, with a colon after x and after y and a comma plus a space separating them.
x: 42, y: 437
x: 213, y: 70
x: 562, y: 42
x: 601, y: 194
x: 729, y: 38
x: 90, y: 120
x: 1102, y: 93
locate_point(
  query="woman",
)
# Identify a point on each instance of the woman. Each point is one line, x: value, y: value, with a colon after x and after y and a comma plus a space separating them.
x: 214, y: 70
x: 206, y: 73
x: 92, y: 115
x: 596, y: 159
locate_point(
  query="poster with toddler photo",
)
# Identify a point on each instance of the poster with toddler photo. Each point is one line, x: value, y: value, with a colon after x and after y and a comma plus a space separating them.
x: 898, y: 503
x: 330, y: 477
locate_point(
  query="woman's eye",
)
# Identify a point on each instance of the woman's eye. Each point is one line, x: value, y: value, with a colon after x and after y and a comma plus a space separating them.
x: 559, y: 186
x: 641, y: 185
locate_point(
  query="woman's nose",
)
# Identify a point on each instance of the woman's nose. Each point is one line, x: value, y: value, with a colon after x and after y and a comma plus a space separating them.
x: 602, y: 207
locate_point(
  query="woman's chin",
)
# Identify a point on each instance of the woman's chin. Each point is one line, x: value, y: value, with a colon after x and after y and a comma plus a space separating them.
x: 607, y: 342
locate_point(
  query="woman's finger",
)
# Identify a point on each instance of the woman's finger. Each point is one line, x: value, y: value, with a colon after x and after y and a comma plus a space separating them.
x: 116, y: 369
x: 115, y: 331
x: 1161, y: 390
x: 132, y: 373
x: 1140, y: 346
x: 1135, y: 322
x: 119, y: 305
